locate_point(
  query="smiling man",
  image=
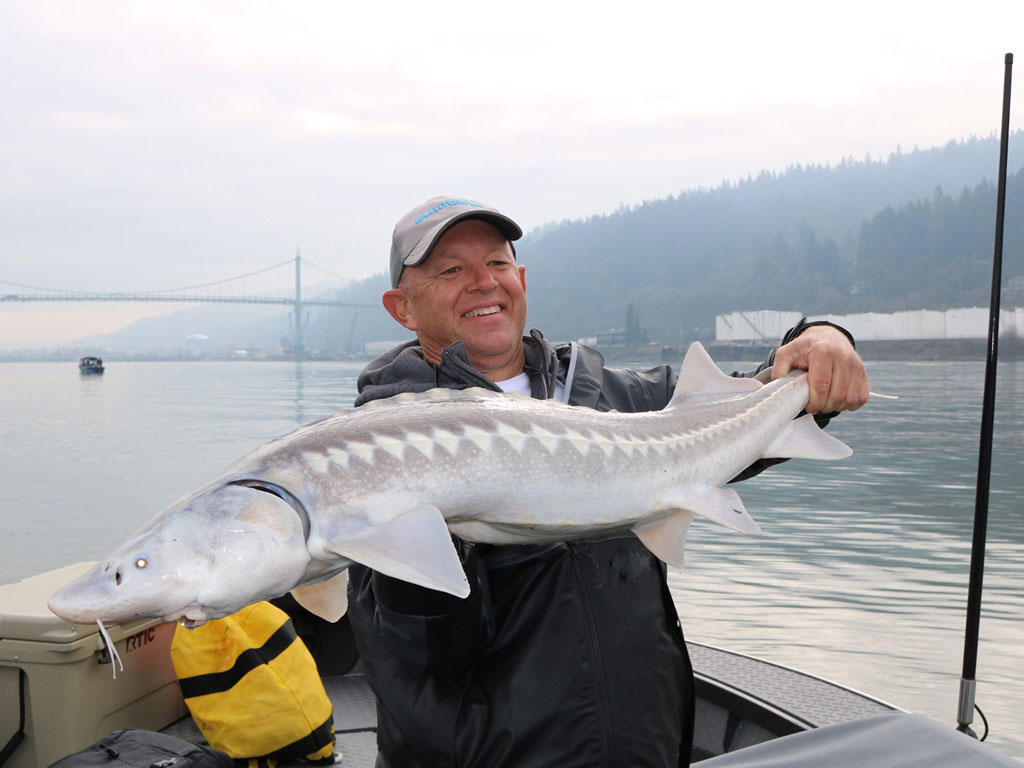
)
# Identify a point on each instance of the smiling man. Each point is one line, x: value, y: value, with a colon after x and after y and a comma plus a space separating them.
x: 465, y: 286
x: 567, y: 654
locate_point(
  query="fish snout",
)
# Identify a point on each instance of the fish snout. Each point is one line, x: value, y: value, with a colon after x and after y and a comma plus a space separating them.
x: 120, y: 569
x: 102, y: 592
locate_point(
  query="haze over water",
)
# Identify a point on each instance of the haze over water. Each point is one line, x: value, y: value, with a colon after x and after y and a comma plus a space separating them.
x: 860, y: 575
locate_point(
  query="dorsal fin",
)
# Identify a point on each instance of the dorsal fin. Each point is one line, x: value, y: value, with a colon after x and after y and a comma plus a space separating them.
x: 700, y: 374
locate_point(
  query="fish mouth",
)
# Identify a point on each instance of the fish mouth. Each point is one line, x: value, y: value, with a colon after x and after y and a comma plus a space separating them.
x: 190, y: 617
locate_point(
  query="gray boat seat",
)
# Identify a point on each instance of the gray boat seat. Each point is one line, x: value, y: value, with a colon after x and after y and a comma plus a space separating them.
x: 892, y: 740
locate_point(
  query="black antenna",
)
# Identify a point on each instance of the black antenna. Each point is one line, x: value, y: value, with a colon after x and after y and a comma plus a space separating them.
x: 965, y: 713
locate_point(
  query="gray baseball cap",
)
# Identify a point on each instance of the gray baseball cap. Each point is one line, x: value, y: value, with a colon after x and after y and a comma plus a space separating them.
x: 418, y: 231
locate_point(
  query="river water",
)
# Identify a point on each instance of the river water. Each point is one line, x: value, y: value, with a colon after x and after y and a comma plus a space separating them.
x: 860, y: 574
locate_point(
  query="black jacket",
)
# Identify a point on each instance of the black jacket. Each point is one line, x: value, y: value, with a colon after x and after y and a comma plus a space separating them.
x: 565, y: 654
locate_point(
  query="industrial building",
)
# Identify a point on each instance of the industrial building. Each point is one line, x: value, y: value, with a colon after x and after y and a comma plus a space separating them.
x: 768, y: 326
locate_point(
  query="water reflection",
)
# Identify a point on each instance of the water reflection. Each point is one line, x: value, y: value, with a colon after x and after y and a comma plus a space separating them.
x: 861, y: 572
x: 299, y: 400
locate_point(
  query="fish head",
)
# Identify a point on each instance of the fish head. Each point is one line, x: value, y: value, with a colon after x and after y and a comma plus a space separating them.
x: 202, y: 559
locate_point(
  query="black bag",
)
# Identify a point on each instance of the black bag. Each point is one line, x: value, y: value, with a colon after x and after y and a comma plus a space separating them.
x: 134, y: 748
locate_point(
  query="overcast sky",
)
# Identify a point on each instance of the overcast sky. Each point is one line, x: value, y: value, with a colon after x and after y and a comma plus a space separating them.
x: 150, y: 145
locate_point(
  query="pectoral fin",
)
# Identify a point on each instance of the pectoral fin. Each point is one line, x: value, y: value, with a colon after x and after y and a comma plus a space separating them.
x: 414, y: 546
x: 804, y: 439
x: 326, y: 599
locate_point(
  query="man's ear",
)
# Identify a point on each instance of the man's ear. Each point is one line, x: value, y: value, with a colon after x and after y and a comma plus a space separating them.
x: 397, y: 305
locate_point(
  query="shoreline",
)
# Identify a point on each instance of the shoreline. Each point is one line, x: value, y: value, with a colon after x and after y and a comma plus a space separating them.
x: 1011, y: 348
x: 917, y: 350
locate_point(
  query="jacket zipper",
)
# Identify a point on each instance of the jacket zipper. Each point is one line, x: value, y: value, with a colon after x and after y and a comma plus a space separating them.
x: 600, y: 685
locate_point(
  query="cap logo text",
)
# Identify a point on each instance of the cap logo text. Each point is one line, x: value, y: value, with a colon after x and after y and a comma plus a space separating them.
x: 445, y: 204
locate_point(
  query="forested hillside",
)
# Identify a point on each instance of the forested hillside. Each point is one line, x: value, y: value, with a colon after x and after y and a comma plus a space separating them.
x: 913, y: 231
x: 910, y: 232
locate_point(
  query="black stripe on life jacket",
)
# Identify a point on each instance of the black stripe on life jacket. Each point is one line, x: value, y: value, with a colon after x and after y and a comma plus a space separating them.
x: 218, y: 682
x: 309, y: 744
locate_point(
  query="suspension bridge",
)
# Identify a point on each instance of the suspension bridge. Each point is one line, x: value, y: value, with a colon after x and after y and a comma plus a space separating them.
x: 260, y: 287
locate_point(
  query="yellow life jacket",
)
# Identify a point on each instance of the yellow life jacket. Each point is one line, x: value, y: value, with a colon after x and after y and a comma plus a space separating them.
x: 253, y: 688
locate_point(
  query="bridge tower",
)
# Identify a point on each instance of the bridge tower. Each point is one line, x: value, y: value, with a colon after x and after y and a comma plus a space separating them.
x: 297, y: 345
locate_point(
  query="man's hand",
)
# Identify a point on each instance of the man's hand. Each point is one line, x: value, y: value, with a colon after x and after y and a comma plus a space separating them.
x: 836, y: 377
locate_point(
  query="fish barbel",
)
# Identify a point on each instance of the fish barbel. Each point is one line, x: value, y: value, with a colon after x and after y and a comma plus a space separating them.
x: 386, y: 484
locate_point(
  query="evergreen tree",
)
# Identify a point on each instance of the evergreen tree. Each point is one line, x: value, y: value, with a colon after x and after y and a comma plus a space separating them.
x: 633, y: 332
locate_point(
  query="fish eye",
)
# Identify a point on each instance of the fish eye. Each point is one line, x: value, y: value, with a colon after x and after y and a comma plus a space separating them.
x: 141, y: 563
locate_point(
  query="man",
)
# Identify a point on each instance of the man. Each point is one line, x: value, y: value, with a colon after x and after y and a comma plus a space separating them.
x: 566, y: 654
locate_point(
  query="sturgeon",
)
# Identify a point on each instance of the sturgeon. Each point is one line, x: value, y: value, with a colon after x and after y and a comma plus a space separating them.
x: 388, y: 483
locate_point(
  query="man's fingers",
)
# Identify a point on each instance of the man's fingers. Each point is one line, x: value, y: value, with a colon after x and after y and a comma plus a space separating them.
x: 819, y: 387
x: 859, y: 393
x: 835, y: 398
x: 836, y: 378
x: 782, y: 365
x: 846, y: 389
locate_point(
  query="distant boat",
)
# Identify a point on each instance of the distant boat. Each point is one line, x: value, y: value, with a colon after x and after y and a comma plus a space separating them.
x: 89, y: 365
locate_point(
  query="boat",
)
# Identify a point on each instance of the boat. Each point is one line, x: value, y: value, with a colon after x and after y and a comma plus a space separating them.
x: 750, y: 713
x: 90, y: 365
x: 57, y: 683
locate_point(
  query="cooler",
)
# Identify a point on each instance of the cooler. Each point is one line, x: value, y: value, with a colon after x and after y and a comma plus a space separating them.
x: 71, y: 698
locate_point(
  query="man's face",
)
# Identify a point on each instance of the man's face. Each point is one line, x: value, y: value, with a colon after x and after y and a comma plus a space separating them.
x: 469, y: 289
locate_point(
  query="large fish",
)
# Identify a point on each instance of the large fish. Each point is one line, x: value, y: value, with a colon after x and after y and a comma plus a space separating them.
x: 387, y: 484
